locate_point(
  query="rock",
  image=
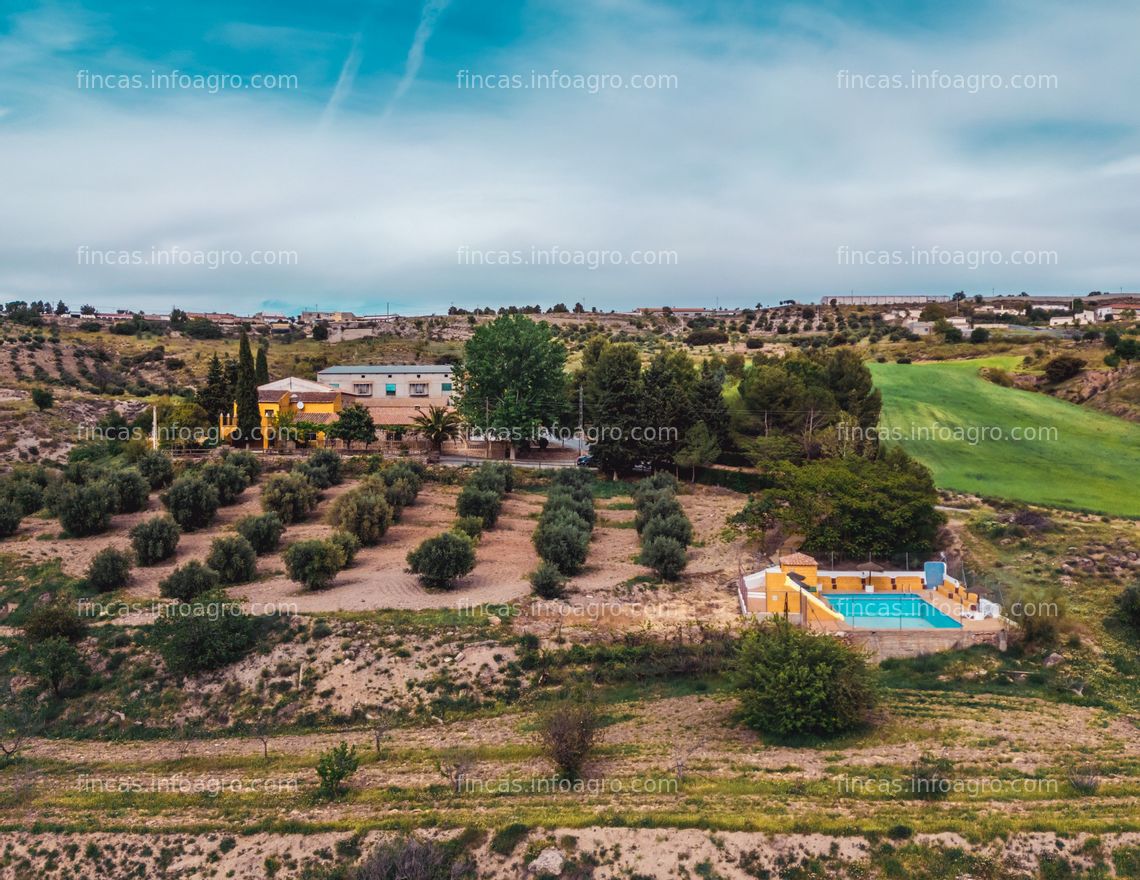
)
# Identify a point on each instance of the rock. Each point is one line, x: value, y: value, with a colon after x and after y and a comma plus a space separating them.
x: 549, y: 861
x: 1052, y: 660
x: 459, y: 657
x: 493, y: 620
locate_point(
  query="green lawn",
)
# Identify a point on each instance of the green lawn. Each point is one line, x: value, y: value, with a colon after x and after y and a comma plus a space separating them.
x: 1090, y: 461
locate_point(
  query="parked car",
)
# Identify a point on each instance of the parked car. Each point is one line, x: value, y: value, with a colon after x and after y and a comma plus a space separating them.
x: 643, y: 467
x: 585, y: 461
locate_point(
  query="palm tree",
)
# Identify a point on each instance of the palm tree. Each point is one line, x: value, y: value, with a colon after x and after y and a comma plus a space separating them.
x: 437, y: 424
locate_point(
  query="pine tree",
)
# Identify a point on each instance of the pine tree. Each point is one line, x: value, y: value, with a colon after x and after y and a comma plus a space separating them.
x: 230, y: 367
x: 248, y: 418
x: 215, y: 396
x: 262, y: 368
x: 709, y: 405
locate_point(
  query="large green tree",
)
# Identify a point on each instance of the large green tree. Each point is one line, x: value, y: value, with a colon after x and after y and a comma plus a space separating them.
x: 248, y: 417
x: 613, y: 392
x: 512, y: 379
x: 216, y: 396
x: 666, y: 409
x: 261, y: 369
x: 354, y: 424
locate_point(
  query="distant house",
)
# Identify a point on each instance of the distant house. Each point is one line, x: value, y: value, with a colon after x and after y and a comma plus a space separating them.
x: 920, y: 328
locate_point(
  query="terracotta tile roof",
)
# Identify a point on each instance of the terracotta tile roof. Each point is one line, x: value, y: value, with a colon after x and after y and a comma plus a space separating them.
x: 314, y: 396
x: 268, y: 395
x: 797, y: 559
x: 316, y: 418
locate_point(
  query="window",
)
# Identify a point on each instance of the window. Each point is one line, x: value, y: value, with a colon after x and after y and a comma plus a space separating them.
x: 446, y: 386
x: 390, y: 389
x: 418, y: 389
x: 362, y: 388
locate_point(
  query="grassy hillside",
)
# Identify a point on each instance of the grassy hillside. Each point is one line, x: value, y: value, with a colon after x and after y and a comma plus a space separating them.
x: 1080, y: 459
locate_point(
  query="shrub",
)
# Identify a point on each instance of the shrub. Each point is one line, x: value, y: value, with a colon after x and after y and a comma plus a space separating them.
x: 86, y: 510
x: 334, y: 767
x: 930, y: 778
x: 290, y: 496
x: 27, y: 495
x: 794, y: 682
x: 665, y: 555
x: 562, y: 497
x: 42, y: 398
x: 659, y: 506
x: 483, y: 503
x: 1063, y: 367
x: 192, y: 502
x: 157, y: 467
x: 314, y: 563
x: 52, y: 619
x: 548, y: 581
x: 188, y: 582
x: 1129, y: 604
x: 569, y: 732
x: 675, y: 526
x: 214, y: 633
x: 439, y: 560
x: 314, y: 473
x: 263, y: 532
x: 131, y: 489
x: 399, y: 495
x: 245, y: 461
x: 506, y: 840
x: 563, y: 540
x: 233, y: 558
x: 228, y: 479
x: 348, y: 544
x: 109, y: 570
x: 409, y: 858
x: 471, y: 526
x: 330, y: 461
x: 10, y: 516
x: 155, y: 539
x: 56, y: 662
x: 362, y: 512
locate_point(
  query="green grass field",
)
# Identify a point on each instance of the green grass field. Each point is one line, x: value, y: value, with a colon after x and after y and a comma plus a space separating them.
x: 1080, y: 459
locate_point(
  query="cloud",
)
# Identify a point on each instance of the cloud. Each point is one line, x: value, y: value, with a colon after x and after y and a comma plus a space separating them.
x: 344, y: 82
x: 754, y: 169
x: 429, y: 15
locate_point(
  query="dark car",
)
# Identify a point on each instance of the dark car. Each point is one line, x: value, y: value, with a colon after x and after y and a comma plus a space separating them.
x: 585, y: 461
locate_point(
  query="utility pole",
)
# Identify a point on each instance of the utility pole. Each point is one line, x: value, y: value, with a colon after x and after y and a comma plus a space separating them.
x: 581, y: 389
x: 154, y: 428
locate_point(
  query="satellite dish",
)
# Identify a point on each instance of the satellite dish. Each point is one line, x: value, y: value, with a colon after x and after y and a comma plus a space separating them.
x: 300, y: 404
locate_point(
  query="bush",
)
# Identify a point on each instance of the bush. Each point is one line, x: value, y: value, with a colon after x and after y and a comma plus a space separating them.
x: 233, y: 558
x: 110, y: 569
x: 55, y: 662
x: 314, y: 563
x: 399, y: 495
x: 1063, y: 367
x: 675, y: 526
x: 483, y: 503
x: 263, y: 532
x: 348, y: 544
x: 214, y: 633
x: 1129, y: 604
x: 52, y: 619
x: 157, y: 467
x: 569, y: 732
x: 330, y: 461
x: 192, y: 502
x: 794, y: 682
x: 930, y: 778
x: 228, y: 479
x: 547, y: 581
x: 471, y: 526
x: 563, y: 540
x: 86, y: 510
x: 10, y: 516
x: 665, y: 555
x: 131, y: 488
x: 245, y: 461
x: 27, y: 495
x: 439, y: 560
x: 290, y: 496
x: 563, y: 498
x: 659, y: 506
x: 314, y: 473
x: 412, y: 859
x: 334, y: 767
x: 362, y: 512
x: 155, y: 539
x: 188, y: 582
x: 42, y: 398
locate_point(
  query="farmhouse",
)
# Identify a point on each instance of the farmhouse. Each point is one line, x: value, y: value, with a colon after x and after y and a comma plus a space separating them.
x: 394, y: 393
x: 287, y: 403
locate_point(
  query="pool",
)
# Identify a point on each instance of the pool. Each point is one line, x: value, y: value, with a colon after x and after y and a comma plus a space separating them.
x: 889, y: 611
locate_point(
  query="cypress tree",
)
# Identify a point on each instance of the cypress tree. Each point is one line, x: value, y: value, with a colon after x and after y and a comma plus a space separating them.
x: 215, y: 396
x: 262, y: 364
x: 230, y: 368
x: 248, y: 417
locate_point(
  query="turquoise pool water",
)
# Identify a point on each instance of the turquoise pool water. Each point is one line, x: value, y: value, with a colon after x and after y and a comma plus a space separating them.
x: 889, y: 611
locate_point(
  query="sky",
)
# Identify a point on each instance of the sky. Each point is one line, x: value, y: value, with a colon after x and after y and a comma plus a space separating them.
x: 232, y: 155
